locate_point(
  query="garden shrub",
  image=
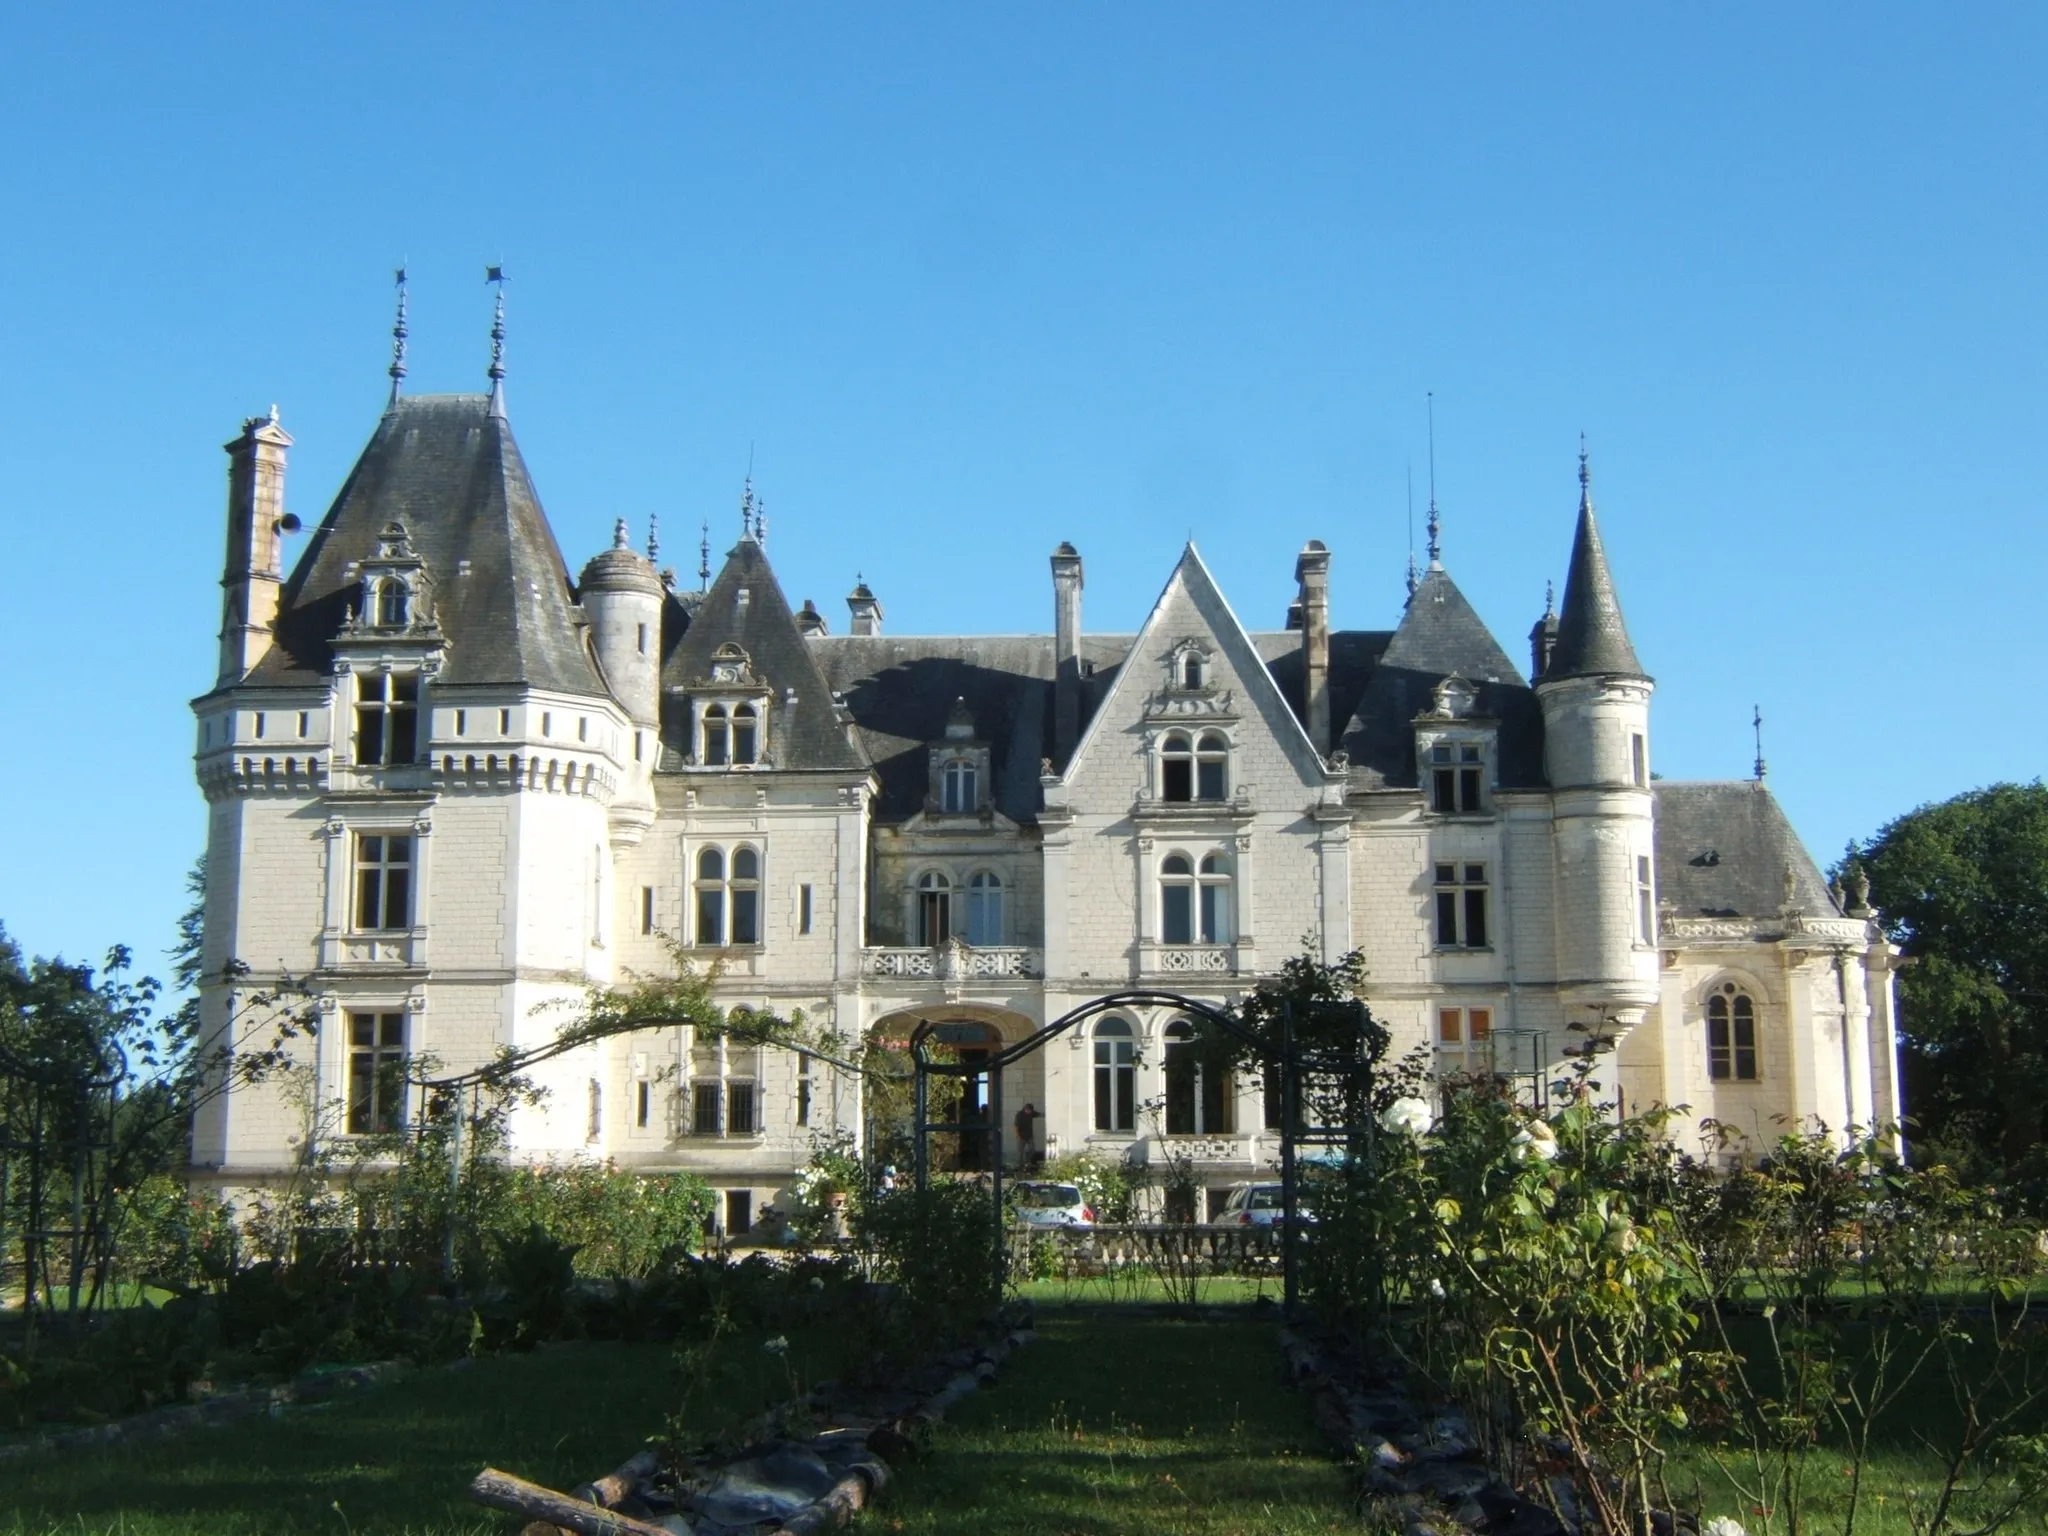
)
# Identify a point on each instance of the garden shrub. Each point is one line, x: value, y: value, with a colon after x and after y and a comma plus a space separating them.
x: 939, y: 1247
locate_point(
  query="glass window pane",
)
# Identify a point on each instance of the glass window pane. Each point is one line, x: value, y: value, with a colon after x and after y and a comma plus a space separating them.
x: 1176, y: 914
x: 1176, y: 864
x: 746, y: 864
x: 746, y: 917
x: 711, y: 917
x: 1446, y: 917
x: 1211, y: 781
x: 1475, y: 919
x: 1177, y: 779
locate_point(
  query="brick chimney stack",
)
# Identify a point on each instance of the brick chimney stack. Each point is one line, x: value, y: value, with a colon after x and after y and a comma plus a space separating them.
x: 1312, y: 571
x: 1066, y: 650
x: 257, y: 523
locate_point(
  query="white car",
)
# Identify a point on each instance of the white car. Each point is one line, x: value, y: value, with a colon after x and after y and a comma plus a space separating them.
x: 1258, y: 1205
x: 1046, y: 1204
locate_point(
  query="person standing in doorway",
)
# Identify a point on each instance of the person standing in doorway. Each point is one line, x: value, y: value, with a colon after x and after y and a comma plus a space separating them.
x: 1026, y: 1125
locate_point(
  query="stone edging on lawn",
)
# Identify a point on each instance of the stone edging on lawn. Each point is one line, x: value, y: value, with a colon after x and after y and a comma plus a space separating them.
x: 311, y: 1387
x: 1424, y: 1471
x: 800, y: 1487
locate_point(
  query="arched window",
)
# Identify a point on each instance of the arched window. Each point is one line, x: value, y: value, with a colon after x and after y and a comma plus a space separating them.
x: 1731, y: 1035
x: 717, y: 736
x: 745, y: 736
x: 1176, y: 768
x: 1198, y: 1097
x: 1213, y: 925
x: 1116, y: 1076
x: 1212, y: 767
x: 934, y: 908
x: 744, y: 896
x: 1176, y: 900
x: 711, y: 897
x: 393, y: 603
x: 957, y: 787
x: 985, y: 908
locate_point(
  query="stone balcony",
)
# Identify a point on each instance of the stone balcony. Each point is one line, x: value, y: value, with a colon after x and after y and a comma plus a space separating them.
x: 952, y: 961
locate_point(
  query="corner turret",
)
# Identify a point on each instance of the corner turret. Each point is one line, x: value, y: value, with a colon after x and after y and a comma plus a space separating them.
x: 1595, y: 698
x: 622, y: 594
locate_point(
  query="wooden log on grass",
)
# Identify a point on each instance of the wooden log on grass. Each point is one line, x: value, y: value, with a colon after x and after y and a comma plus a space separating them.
x: 501, y: 1490
x: 610, y: 1490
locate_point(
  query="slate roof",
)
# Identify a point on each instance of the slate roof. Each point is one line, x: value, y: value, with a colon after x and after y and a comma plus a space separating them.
x: 803, y: 733
x: 1440, y: 635
x: 1722, y: 851
x: 449, y: 470
x: 1592, y: 640
x: 901, y: 689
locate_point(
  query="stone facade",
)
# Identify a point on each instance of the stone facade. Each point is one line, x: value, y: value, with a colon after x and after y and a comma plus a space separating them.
x: 450, y: 787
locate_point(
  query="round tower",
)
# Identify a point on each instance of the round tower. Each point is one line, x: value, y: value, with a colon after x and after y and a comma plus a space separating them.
x: 622, y: 594
x: 1595, y: 698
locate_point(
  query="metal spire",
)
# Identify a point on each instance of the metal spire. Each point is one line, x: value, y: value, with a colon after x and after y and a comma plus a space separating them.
x: 619, y: 539
x: 704, y: 559
x: 398, y: 335
x: 1414, y: 576
x: 1549, y: 598
x: 747, y: 507
x: 653, y: 538
x: 1585, y: 477
x: 1757, y: 724
x: 497, y: 368
x: 1435, y: 524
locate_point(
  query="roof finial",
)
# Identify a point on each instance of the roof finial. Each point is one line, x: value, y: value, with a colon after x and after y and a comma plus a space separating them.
x: 398, y: 335
x: 1435, y: 525
x: 654, y: 538
x: 761, y: 522
x: 1757, y: 722
x: 747, y: 507
x: 619, y: 540
x: 1585, y: 475
x: 704, y: 559
x: 1549, y: 598
x: 497, y: 368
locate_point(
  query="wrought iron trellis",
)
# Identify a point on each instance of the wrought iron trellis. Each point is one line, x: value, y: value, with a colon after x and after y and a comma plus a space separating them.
x: 56, y: 1133
x: 1286, y: 1057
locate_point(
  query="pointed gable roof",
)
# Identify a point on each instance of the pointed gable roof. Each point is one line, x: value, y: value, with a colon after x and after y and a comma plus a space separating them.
x: 1262, y: 696
x: 1592, y: 641
x: 745, y: 607
x: 448, y: 469
x: 1441, y: 636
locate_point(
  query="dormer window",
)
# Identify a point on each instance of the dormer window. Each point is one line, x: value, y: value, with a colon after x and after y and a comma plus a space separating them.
x: 387, y: 718
x: 1457, y: 778
x: 957, y: 787
x: 394, y: 603
x: 731, y: 736
x: 1191, y: 670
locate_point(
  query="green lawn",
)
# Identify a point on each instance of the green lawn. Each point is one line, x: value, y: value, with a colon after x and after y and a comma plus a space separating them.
x: 393, y: 1459
x: 1137, y: 1285
x: 1138, y: 1425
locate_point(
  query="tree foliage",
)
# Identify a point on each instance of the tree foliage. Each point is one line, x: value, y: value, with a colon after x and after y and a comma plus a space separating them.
x: 1962, y: 888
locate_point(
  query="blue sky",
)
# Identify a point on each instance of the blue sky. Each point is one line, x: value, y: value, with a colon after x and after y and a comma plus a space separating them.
x: 966, y: 281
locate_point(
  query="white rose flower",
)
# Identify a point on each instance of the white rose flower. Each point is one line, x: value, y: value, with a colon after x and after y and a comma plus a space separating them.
x: 776, y: 1346
x: 1534, y: 1142
x: 1721, y: 1525
x: 1407, y: 1116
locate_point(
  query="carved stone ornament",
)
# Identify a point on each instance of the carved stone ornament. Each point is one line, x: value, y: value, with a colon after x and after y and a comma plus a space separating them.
x: 731, y: 667
x: 1454, y: 698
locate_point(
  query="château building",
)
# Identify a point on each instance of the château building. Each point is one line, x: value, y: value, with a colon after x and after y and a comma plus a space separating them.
x: 451, y: 783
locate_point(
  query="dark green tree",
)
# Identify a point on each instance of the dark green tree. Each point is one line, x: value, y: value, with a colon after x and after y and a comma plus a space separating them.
x: 1962, y: 888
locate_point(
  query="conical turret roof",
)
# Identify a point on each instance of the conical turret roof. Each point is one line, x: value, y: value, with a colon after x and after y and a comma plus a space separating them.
x: 1592, y: 640
x: 447, y: 469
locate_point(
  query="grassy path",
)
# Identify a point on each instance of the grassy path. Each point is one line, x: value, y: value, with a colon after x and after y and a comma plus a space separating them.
x: 1128, y: 1424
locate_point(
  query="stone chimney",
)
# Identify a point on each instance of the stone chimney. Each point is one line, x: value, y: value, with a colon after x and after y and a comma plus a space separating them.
x: 254, y: 572
x: 1066, y: 652
x: 1312, y: 571
x: 866, y: 610
x: 809, y: 621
